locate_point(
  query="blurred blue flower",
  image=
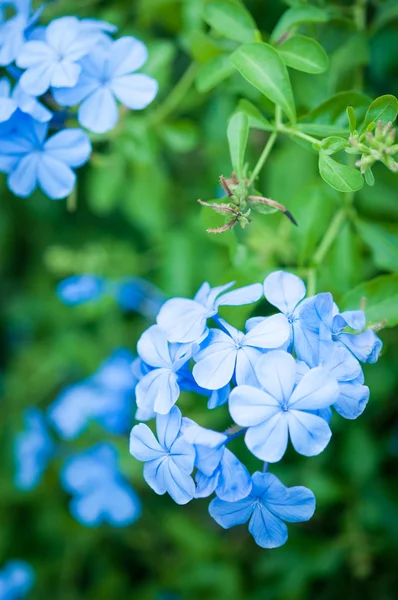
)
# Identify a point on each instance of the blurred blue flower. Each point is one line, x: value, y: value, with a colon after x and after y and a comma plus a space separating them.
x: 282, y: 408
x: 17, y: 99
x: 31, y: 160
x: 101, y: 494
x: 53, y: 61
x: 226, y: 353
x: 33, y: 449
x: 16, y: 580
x: 169, y: 462
x: 78, y: 289
x: 185, y: 320
x: 219, y: 470
x: 106, y: 397
x: 268, y: 505
x: 158, y: 390
x: 137, y: 294
x: 12, y: 31
x: 108, y: 75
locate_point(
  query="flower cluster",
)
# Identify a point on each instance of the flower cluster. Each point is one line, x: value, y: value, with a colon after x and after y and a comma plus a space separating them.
x: 69, y: 63
x: 16, y: 580
x: 281, y: 378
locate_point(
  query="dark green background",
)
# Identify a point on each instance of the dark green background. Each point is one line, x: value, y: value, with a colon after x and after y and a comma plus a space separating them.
x: 137, y: 215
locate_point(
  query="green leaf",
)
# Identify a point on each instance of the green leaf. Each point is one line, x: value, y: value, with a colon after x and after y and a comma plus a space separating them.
x: 213, y: 72
x: 230, y: 19
x: 330, y: 118
x: 262, y: 66
x: 238, y: 133
x: 304, y: 54
x: 333, y: 144
x: 338, y: 176
x: 383, y: 242
x: 346, y: 59
x: 295, y: 16
x: 181, y: 136
x: 387, y: 12
x: 381, y: 296
x: 256, y: 118
x: 383, y: 109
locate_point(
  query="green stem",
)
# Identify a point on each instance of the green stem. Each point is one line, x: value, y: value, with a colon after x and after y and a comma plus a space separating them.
x: 297, y: 133
x: 176, y: 96
x: 264, y: 155
x: 71, y: 201
x: 311, y: 281
x: 329, y: 237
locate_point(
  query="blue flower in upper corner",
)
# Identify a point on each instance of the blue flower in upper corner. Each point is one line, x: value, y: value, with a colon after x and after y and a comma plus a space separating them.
x: 33, y: 449
x: 185, y: 320
x: 365, y: 346
x: 286, y: 292
x: 230, y: 352
x: 54, y: 60
x: 281, y: 408
x: 101, y: 494
x: 78, y: 289
x: 105, y: 397
x: 268, y: 505
x: 31, y: 160
x: 17, y: 99
x: 169, y: 462
x: 12, y: 31
x: 108, y: 74
x: 16, y: 580
x: 158, y: 390
x: 219, y: 470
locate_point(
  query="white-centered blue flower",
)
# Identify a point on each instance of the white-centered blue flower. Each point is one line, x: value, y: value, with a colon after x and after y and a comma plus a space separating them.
x: 101, y: 494
x: 54, y: 60
x: 231, y: 352
x: 31, y: 160
x: 185, y: 320
x: 267, y: 506
x: 108, y: 74
x: 282, y: 409
x: 169, y: 462
x: 159, y: 389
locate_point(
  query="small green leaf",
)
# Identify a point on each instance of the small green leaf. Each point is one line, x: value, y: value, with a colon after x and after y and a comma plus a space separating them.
x: 333, y: 144
x: 383, y: 242
x: 304, y: 54
x: 256, y: 118
x: 381, y: 296
x: 352, y: 120
x: 238, y: 133
x: 230, y: 19
x: 369, y: 177
x: 262, y: 66
x: 338, y: 176
x: 383, y: 109
x: 213, y: 72
x: 295, y: 16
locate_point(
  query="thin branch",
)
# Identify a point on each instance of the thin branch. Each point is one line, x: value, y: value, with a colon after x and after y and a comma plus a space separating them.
x: 276, y: 205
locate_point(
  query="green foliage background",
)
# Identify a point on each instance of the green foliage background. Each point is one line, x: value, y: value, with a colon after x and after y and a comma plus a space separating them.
x: 137, y: 214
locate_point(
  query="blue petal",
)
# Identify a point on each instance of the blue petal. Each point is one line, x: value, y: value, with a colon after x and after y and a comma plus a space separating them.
x: 268, y: 530
x: 339, y: 361
x: 168, y: 427
x: 268, y: 440
x: 122, y: 506
x: 158, y: 391
x: 99, y: 112
x: 135, y: 91
x: 166, y: 475
x: 352, y: 400
x: 234, y: 482
x: 71, y: 146
x: 246, y: 361
x: 143, y: 444
x: 355, y: 319
x: 309, y: 433
x: 276, y: 371
x: 249, y: 406
x: 294, y: 504
x: 229, y: 514
x: 284, y: 290
x: 126, y: 55
x: 78, y: 289
x: 270, y: 333
x: 317, y: 389
x: 153, y: 347
x: 219, y: 397
x: 365, y: 346
x: 216, y: 362
x: 205, y: 485
x: 245, y: 295
x: 183, y: 320
x: 55, y: 178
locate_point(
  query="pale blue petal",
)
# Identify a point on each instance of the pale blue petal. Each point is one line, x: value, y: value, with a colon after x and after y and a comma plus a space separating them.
x: 268, y: 440
x: 71, y: 146
x: 183, y: 455
x: 179, y: 485
x: 31, y: 106
x: 316, y: 310
x: 22, y: 180
x: 229, y: 514
x: 216, y: 362
x: 7, y: 108
x: 317, y: 389
x: 55, y: 178
x: 284, y: 290
x: 153, y: 347
x: 306, y: 343
x: 122, y: 506
x: 135, y: 91
x: 234, y: 482
x: 268, y: 531
x: 253, y: 322
x: 34, y: 53
x: 126, y: 55
x: 99, y: 112
x: 245, y: 295
x: 66, y: 74
x: 36, y: 80
x: 154, y: 474
x: 168, y: 427
x: 205, y: 485
x: 294, y: 505
x: 143, y: 444
x: 183, y: 320
x: 355, y: 319
x: 86, y: 85
x: 276, y: 372
x: 246, y: 360
x: 309, y: 433
x: 219, y: 397
x: 270, y: 333
x: 339, y: 361
x: 249, y: 406
x: 352, y: 400
x: 158, y: 391
x: 365, y: 346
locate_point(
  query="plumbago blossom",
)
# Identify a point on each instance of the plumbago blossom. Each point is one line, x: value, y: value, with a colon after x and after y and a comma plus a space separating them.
x: 70, y: 62
x: 281, y: 377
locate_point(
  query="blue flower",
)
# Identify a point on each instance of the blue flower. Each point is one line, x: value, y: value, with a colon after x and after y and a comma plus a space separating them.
x: 31, y: 160
x: 78, y: 289
x: 12, y: 101
x: 101, y: 494
x: 169, y: 462
x: 33, y: 449
x: 365, y: 346
x: 108, y: 75
x: 269, y: 504
x: 16, y: 580
x: 12, y: 33
x: 159, y: 390
x: 185, y: 320
x: 219, y: 470
x: 105, y: 397
x: 136, y: 294
x: 231, y: 352
x: 286, y: 292
x: 282, y: 408
x: 53, y: 61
